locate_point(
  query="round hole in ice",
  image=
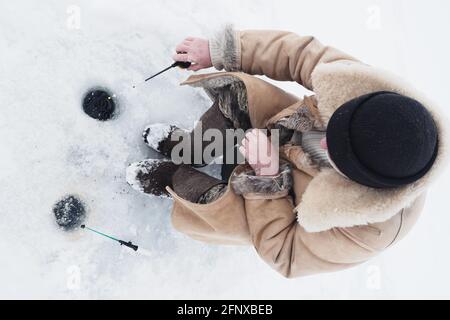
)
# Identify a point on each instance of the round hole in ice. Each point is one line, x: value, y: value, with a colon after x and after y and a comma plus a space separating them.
x: 99, y: 104
x: 70, y: 212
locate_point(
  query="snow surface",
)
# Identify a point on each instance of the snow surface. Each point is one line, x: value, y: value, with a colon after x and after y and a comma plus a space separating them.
x: 49, y: 148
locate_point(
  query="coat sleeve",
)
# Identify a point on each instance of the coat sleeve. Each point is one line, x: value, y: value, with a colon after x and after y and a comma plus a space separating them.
x: 285, y: 245
x: 279, y: 55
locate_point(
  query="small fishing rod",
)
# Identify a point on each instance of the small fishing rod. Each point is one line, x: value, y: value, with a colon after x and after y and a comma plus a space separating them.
x: 182, y: 65
x: 128, y: 244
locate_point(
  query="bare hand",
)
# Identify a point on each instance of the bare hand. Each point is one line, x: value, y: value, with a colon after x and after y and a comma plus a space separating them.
x: 194, y: 50
x: 260, y: 153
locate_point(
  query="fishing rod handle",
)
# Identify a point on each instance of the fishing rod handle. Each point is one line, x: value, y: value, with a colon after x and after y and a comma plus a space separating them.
x: 129, y: 245
x: 182, y: 64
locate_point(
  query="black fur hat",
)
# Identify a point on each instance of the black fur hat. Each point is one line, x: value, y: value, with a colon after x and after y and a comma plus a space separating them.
x: 383, y: 140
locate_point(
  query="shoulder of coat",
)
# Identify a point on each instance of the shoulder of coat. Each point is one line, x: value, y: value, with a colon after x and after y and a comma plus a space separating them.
x: 334, y: 201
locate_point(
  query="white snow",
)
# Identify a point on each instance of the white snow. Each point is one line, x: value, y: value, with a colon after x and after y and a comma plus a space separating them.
x: 50, y: 148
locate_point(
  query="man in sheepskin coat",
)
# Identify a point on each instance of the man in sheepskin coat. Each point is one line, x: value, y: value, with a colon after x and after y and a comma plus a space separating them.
x: 351, y: 174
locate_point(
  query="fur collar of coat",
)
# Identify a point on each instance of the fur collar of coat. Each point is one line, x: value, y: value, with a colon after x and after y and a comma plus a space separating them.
x: 331, y: 200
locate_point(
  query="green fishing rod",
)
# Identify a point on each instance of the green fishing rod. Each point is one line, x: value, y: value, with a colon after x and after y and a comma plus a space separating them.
x: 128, y: 244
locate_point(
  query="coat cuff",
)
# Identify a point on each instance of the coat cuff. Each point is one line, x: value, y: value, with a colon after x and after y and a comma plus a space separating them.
x: 225, y: 50
x: 246, y: 183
